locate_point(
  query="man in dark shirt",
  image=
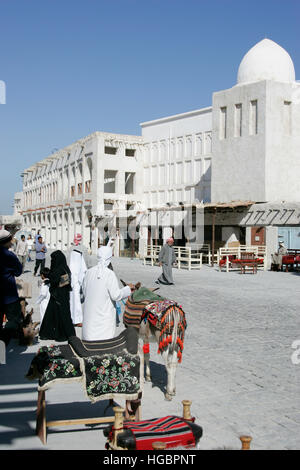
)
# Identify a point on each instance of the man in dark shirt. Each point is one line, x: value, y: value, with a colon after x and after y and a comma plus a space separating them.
x: 40, y: 250
x: 10, y: 267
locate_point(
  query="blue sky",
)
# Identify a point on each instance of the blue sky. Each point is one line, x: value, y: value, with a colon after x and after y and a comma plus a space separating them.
x: 72, y: 67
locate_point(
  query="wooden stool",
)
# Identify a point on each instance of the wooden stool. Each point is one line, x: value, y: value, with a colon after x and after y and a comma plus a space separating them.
x: 159, y: 446
x: 245, y: 442
x: 119, y: 421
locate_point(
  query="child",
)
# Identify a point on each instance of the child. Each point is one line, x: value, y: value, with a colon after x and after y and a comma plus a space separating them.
x: 44, y: 296
x: 119, y: 311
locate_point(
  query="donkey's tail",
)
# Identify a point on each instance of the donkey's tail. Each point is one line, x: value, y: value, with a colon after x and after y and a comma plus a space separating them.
x: 173, y: 326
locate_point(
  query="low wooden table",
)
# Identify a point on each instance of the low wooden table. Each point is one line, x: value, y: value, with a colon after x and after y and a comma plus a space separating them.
x: 132, y: 412
x: 250, y: 263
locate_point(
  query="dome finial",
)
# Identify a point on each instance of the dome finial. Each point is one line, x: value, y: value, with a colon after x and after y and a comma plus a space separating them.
x: 266, y: 61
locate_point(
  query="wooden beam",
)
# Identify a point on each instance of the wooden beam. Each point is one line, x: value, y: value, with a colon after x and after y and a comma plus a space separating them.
x: 213, y: 236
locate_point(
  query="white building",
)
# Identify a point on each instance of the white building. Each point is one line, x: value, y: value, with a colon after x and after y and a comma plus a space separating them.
x: 82, y: 187
x: 245, y: 147
x: 13, y: 221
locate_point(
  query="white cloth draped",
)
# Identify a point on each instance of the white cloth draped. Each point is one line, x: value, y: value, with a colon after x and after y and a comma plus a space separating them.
x: 78, y: 270
x: 104, y: 257
x: 101, y: 290
x: 43, y: 299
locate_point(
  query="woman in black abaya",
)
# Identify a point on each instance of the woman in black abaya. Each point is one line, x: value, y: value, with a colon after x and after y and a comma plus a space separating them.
x: 57, y: 322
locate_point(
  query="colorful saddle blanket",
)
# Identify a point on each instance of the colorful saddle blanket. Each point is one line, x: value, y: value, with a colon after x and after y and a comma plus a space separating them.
x: 172, y: 430
x: 107, y: 369
x: 169, y: 318
x: 135, y: 305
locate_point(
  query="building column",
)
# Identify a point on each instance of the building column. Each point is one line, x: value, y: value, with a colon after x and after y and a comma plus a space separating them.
x: 95, y: 235
x: 143, y: 239
x: 271, y: 234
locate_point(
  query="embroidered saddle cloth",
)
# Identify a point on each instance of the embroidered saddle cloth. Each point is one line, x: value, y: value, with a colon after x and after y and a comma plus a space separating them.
x: 107, y: 369
x: 172, y: 430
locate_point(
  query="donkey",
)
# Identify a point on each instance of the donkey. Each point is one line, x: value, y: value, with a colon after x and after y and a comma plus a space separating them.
x: 28, y: 330
x: 168, y: 334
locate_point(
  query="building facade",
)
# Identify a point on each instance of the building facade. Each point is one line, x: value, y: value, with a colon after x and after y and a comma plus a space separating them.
x: 245, y: 147
x: 82, y: 188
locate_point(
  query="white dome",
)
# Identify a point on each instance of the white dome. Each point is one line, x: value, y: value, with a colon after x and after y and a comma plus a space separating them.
x: 266, y: 61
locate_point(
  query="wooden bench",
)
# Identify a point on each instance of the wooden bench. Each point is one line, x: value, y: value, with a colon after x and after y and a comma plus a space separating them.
x: 186, y: 256
x: 203, y: 248
x: 227, y: 255
x: 151, y: 255
x: 291, y: 260
x: 42, y: 424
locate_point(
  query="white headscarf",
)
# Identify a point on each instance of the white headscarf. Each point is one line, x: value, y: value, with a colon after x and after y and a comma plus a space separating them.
x: 104, y: 257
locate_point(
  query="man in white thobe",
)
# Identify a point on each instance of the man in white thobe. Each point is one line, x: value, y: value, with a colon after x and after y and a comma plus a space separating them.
x: 78, y: 270
x: 101, y: 290
x: 166, y: 260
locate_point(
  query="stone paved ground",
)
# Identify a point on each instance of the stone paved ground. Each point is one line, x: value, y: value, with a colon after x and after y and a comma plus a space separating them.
x: 236, y: 367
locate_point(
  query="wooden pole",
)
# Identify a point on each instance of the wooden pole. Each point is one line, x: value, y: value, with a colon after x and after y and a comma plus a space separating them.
x: 245, y: 442
x: 118, y: 424
x: 187, y: 409
x: 213, y: 237
x: 41, y: 429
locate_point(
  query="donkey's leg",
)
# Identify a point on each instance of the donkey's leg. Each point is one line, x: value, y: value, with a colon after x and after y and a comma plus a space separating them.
x: 171, y: 365
x: 146, y: 350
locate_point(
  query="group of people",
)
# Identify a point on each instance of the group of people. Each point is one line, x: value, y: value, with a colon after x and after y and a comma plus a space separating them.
x: 24, y: 248
x: 10, y: 305
x: 81, y: 297
x: 70, y: 295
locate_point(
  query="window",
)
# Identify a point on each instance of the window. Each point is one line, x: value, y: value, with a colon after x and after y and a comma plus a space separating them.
x: 162, y: 174
x: 238, y: 120
x: 172, y: 173
x: 110, y: 181
x: 207, y: 142
x: 287, y: 118
x: 223, y: 122
x: 72, y: 191
x: 147, y: 175
x: 180, y: 148
x: 129, y: 183
x: 110, y: 150
x: 79, y: 186
x: 88, y: 186
x: 179, y: 173
x: 129, y: 152
x: 198, y: 145
x: 188, y: 172
x: 197, y: 171
x: 189, y: 146
x: 253, y: 117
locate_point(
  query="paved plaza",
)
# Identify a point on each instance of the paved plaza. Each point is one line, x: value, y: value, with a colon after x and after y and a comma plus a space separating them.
x: 237, y: 366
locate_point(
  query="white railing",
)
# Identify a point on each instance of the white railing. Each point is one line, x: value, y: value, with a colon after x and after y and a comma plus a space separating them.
x: 151, y: 254
x: 204, y: 248
x: 186, y: 257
